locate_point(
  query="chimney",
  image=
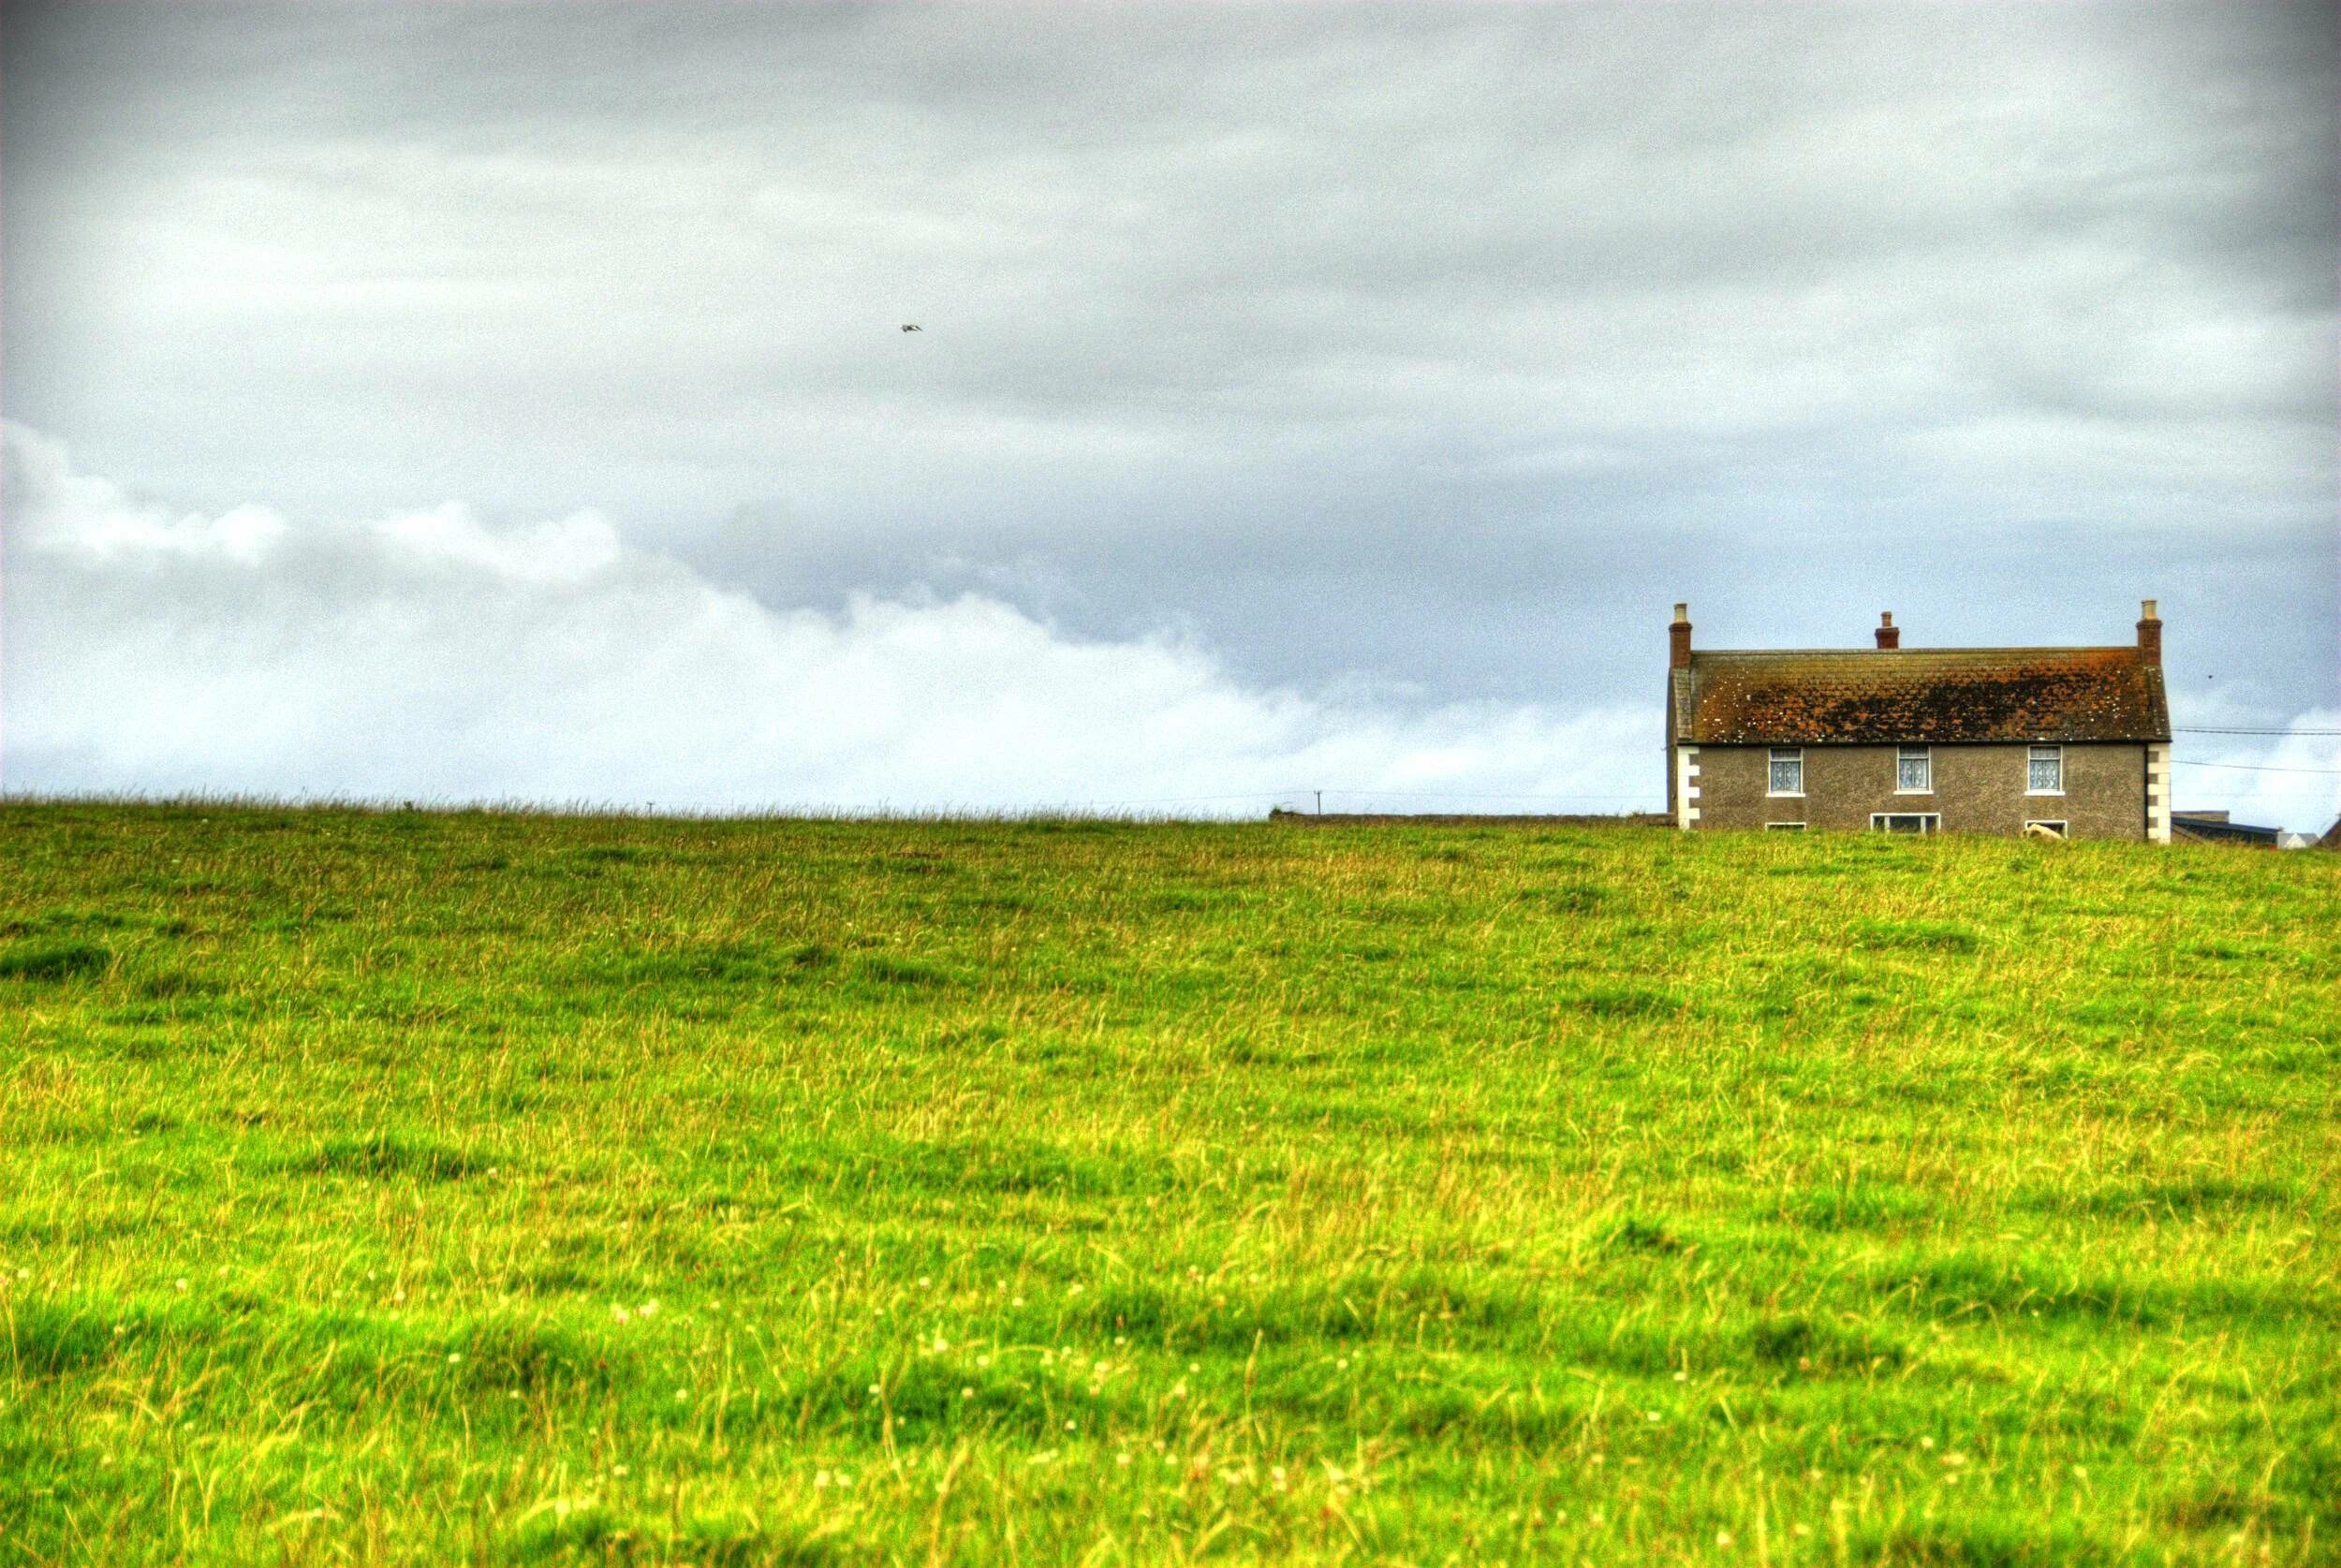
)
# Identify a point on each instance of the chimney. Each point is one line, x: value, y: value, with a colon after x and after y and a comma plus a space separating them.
x: 2150, y: 636
x: 1679, y: 639
x: 1889, y: 635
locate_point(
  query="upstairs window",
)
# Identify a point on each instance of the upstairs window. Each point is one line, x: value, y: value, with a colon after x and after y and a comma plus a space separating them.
x: 2045, y: 770
x: 1788, y: 770
x: 1914, y: 770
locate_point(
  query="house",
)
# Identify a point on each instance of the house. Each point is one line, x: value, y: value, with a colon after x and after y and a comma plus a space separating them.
x: 2073, y: 741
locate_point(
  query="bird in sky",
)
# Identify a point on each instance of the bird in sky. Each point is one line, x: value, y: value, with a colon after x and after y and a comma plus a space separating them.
x: 908, y: 327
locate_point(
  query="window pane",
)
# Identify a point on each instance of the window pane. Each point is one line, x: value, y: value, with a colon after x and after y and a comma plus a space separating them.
x: 2048, y: 768
x: 1788, y: 774
x: 1913, y: 769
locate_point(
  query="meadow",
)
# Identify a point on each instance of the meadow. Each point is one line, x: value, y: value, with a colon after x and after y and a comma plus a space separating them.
x: 423, y: 1187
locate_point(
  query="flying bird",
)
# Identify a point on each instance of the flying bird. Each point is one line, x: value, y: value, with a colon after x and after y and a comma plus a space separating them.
x: 908, y: 327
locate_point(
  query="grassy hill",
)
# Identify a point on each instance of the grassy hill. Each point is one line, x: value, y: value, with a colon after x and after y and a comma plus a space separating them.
x: 434, y: 1187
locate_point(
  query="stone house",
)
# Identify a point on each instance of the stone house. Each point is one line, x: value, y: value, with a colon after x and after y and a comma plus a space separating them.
x: 2076, y: 740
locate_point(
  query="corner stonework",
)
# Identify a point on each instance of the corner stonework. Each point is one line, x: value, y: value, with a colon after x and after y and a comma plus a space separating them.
x: 1685, y: 786
x: 2158, y: 794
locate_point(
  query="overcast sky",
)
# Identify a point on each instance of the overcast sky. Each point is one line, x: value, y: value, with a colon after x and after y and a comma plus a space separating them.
x: 511, y: 402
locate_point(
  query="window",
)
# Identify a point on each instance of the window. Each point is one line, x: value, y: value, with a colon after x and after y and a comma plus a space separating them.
x: 1788, y: 770
x: 2044, y: 831
x: 1905, y: 822
x: 1914, y: 770
x: 1784, y: 827
x: 2046, y: 774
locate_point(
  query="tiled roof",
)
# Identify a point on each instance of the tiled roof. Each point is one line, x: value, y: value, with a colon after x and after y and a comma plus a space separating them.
x: 1912, y: 695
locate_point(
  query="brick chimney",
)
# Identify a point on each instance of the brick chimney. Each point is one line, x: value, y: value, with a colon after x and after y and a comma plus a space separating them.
x: 1889, y: 635
x: 1679, y: 639
x: 2150, y: 636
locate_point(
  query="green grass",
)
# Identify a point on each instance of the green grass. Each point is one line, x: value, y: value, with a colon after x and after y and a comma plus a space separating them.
x: 1083, y: 1193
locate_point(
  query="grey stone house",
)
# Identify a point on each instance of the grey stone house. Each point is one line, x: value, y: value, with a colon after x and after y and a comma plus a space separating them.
x: 2073, y: 740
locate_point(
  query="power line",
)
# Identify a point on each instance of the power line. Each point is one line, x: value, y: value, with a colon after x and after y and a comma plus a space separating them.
x: 2191, y: 730
x: 2254, y: 767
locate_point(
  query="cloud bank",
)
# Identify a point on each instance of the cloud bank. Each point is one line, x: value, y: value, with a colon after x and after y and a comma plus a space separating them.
x: 434, y: 655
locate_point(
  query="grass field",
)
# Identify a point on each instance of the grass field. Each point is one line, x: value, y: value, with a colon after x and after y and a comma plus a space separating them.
x: 429, y: 1188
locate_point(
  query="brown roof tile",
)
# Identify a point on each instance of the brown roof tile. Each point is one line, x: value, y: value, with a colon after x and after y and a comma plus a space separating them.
x: 1913, y: 695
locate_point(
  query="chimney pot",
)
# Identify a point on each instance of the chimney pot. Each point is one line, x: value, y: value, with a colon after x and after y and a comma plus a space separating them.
x: 2149, y: 633
x: 1679, y: 639
x: 1889, y: 635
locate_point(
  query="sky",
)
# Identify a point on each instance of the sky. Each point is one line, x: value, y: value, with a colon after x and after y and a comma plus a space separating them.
x: 511, y: 402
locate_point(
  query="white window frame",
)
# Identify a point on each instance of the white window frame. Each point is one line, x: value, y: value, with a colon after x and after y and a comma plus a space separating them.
x: 1930, y: 822
x: 1794, y: 756
x: 1925, y: 758
x: 2062, y: 829
x: 2032, y: 756
x: 1784, y: 827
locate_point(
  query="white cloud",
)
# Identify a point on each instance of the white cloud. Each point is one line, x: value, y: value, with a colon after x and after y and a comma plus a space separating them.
x: 438, y: 655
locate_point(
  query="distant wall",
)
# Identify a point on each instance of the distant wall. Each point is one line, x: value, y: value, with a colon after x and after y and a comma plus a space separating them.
x: 1356, y: 819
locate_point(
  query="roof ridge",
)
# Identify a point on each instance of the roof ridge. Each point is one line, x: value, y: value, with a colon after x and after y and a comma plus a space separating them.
x: 1892, y: 652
